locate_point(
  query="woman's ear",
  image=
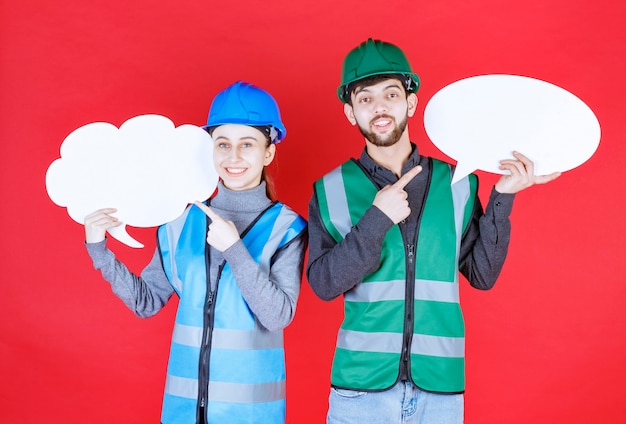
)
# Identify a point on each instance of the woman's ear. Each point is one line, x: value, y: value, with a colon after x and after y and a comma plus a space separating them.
x: 270, y: 152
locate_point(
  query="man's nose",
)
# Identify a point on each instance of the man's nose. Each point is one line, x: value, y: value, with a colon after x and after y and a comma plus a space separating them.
x: 380, y: 105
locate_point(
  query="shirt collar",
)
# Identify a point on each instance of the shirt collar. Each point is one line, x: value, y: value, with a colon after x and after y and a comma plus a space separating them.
x: 374, y: 168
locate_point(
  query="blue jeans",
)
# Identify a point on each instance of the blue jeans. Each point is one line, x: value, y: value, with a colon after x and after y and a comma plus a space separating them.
x: 403, y: 404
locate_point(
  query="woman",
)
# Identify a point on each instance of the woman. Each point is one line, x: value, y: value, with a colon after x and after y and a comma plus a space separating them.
x: 236, y: 264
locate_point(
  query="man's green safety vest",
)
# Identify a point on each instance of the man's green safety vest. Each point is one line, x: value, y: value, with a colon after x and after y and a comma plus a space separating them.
x: 409, y: 307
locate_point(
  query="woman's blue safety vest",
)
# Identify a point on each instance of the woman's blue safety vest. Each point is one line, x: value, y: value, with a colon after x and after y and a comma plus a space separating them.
x: 224, y: 367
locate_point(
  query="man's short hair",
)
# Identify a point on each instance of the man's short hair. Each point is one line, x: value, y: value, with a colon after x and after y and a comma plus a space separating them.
x: 375, y: 79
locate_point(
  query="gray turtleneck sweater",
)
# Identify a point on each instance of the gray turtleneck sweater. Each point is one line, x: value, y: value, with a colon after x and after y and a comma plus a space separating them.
x: 272, y: 298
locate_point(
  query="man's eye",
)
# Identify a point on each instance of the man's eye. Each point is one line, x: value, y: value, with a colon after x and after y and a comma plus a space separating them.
x: 364, y: 100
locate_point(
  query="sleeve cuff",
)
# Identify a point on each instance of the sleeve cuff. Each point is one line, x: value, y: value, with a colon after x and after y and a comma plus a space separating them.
x: 375, y: 222
x: 237, y: 250
x: 99, y: 253
x: 501, y: 203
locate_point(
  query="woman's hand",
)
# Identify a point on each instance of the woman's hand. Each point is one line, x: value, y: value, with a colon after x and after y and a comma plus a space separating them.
x: 97, y: 224
x: 222, y: 233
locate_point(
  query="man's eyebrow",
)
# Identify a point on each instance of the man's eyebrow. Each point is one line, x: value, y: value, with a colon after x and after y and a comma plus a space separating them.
x: 360, y: 89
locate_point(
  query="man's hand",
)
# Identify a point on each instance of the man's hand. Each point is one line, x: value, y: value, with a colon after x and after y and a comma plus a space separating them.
x: 97, y: 224
x: 392, y: 199
x: 522, y: 175
x: 222, y: 233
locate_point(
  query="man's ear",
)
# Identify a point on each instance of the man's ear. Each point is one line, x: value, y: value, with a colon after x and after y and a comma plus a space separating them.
x: 349, y: 112
x: 412, y: 104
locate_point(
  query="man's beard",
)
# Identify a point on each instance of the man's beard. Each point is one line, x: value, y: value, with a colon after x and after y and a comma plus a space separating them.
x: 389, y: 139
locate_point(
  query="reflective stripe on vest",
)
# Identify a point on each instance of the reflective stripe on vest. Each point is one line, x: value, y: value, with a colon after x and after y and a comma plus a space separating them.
x: 246, y: 367
x: 370, y: 340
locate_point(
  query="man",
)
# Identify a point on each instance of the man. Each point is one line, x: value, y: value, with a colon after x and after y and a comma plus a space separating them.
x: 390, y: 233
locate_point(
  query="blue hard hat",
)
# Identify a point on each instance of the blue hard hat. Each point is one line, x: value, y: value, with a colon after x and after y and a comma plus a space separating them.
x: 246, y: 104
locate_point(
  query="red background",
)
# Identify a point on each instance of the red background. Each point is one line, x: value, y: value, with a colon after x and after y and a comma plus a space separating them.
x: 546, y: 345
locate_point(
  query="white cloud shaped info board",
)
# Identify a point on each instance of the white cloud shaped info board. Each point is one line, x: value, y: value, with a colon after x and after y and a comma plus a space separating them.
x: 481, y: 120
x: 148, y: 170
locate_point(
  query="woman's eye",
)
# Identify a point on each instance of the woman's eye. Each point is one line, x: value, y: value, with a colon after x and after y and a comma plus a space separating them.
x: 223, y: 146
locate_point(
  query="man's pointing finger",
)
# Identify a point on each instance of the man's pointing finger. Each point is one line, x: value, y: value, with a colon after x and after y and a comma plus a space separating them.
x: 406, y: 178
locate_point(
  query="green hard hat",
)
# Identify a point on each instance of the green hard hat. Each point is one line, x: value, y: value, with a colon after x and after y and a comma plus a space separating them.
x: 375, y: 57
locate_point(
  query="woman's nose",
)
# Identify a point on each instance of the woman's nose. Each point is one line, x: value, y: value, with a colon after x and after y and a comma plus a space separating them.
x: 234, y: 154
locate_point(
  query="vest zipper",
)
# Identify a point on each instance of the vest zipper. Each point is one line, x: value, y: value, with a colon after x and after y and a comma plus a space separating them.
x: 207, y: 333
x: 407, y: 337
x: 409, y: 305
x: 205, y: 349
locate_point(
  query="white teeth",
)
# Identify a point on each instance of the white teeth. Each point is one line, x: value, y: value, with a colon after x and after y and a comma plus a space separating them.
x: 381, y: 123
x: 235, y: 170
